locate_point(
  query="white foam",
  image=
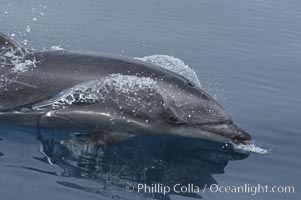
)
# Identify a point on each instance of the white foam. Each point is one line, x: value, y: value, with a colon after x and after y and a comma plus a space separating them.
x: 173, y: 64
x: 12, y: 60
x: 24, y: 66
x: 250, y: 148
x: 20, y: 65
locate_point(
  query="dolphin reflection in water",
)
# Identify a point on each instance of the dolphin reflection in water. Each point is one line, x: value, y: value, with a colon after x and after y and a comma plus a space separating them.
x: 144, y: 160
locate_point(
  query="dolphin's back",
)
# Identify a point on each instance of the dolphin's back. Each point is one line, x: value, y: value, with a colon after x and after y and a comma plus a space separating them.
x: 51, y: 72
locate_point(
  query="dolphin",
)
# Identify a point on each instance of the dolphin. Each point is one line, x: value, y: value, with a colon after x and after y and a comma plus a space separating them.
x: 92, y: 93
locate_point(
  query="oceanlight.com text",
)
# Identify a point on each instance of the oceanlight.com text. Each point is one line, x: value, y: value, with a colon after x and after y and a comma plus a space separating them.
x: 213, y: 188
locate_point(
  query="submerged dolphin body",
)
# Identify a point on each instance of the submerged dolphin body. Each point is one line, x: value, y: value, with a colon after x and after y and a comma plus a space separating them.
x: 89, y: 93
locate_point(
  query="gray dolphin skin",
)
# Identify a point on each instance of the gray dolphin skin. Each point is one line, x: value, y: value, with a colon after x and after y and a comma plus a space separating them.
x: 91, y: 92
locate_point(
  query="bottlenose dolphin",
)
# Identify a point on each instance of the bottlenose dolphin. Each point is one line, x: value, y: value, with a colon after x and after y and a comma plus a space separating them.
x: 91, y: 92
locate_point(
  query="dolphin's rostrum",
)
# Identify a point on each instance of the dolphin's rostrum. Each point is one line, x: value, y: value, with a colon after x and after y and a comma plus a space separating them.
x: 92, y: 92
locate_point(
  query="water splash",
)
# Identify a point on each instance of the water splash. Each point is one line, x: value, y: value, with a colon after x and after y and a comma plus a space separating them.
x: 101, y: 89
x: 173, y: 64
x: 250, y: 148
x: 128, y: 83
x: 13, y: 64
x: 56, y: 48
x: 16, y: 57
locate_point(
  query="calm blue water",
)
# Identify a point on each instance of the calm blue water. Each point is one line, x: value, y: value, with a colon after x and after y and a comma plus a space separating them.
x: 246, y: 53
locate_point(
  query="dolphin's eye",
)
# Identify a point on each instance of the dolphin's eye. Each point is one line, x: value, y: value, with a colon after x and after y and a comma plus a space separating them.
x: 174, y: 120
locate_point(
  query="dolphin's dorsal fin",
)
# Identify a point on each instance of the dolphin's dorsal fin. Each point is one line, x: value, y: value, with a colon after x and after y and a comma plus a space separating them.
x: 5, y: 41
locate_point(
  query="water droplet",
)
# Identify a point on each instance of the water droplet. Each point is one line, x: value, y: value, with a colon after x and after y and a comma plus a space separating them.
x: 25, y: 42
x: 28, y: 29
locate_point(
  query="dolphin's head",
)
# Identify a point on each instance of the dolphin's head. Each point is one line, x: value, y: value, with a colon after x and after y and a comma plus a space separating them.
x: 190, y: 111
x: 179, y: 107
x: 171, y: 105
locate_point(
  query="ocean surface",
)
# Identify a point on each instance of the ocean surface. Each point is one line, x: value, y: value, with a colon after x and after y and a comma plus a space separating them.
x: 247, y: 54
